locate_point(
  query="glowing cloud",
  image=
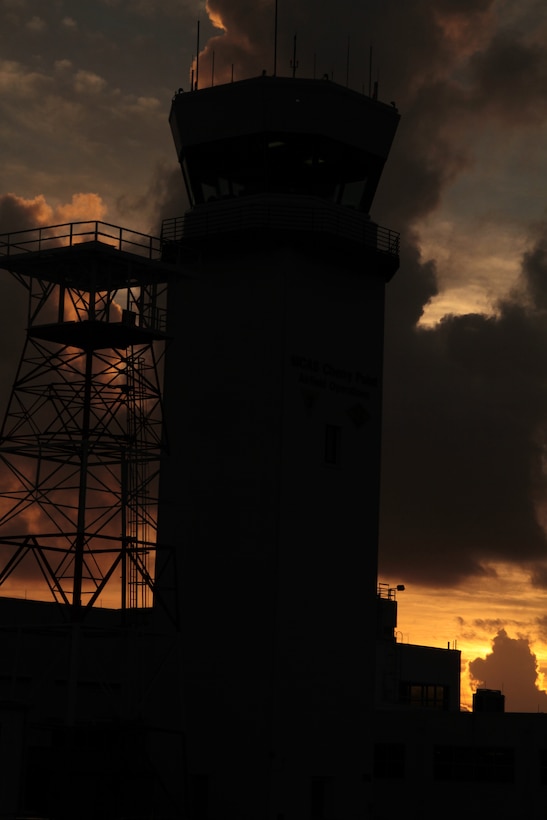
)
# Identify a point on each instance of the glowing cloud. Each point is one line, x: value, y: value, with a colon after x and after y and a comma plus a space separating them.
x: 18, y: 213
x: 513, y: 667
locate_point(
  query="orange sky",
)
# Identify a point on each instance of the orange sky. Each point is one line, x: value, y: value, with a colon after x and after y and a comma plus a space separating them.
x: 468, y: 618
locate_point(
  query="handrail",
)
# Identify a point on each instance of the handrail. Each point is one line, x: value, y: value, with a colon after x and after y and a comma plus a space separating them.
x: 68, y: 234
x: 284, y: 214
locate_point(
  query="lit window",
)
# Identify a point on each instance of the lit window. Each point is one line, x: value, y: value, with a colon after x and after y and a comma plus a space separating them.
x: 424, y: 695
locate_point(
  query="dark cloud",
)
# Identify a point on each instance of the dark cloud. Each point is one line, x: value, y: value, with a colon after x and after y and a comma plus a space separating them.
x: 509, y: 79
x: 535, y: 274
x: 513, y: 668
x: 489, y: 624
x: 18, y: 214
x: 464, y: 437
x: 412, y: 42
x: 164, y: 198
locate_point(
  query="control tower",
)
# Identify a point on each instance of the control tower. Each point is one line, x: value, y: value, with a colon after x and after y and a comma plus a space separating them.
x: 273, y: 405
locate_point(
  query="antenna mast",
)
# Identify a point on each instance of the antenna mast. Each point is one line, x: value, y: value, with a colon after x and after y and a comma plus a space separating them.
x: 294, y: 61
x: 275, y: 41
x: 347, y: 63
x: 197, y: 58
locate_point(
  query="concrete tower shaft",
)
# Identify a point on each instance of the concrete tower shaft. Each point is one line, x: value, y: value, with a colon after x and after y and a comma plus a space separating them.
x: 273, y: 407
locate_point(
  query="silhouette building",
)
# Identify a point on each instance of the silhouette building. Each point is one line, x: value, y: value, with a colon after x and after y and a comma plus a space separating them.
x: 272, y: 402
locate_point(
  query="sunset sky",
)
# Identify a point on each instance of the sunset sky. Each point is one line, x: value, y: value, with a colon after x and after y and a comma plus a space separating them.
x: 85, y: 91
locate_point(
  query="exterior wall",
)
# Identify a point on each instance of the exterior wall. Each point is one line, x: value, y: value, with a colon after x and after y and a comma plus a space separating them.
x: 472, y: 765
x: 80, y: 733
x: 402, y: 667
x: 275, y: 365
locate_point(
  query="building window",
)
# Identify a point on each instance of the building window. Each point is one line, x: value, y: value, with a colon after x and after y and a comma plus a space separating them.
x: 474, y: 764
x: 333, y: 440
x: 389, y: 761
x: 424, y: 695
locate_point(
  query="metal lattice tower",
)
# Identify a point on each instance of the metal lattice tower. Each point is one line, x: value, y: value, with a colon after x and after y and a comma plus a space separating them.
x: 82, y: 435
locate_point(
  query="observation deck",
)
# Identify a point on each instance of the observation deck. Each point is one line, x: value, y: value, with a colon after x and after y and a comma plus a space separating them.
x: 297, y: 158
x: 107, y: 282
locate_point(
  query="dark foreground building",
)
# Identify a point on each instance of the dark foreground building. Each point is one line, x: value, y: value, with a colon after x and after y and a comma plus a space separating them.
x: 273, y: 389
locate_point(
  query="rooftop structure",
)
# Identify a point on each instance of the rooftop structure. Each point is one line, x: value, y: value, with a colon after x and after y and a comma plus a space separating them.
x: 82, y: 435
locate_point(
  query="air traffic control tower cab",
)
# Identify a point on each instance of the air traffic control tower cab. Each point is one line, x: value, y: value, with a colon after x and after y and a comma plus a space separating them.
x: 282, y: 142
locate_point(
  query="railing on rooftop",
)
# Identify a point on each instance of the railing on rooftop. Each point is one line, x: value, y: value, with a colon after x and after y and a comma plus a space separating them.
x: 386, y: 591
x: 69, y: 234
x: 284, y: 213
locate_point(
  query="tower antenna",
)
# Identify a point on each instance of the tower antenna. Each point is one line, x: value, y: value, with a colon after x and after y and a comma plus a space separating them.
x: 294, y: 61
x: 197, y: 58
x: 376, y: 84
x: 370, y: 72
x: 275, y: 41
x: 347, y: 63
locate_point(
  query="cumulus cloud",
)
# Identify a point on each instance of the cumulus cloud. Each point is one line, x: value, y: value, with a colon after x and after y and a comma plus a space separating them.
x: 81, y: 207
x: 87, y: 82
x: 36, y: 24
x: 19, y: 214
x: 513, y: 668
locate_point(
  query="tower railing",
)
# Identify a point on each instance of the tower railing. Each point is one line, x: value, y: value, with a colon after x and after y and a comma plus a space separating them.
x: 280, y: 213
x: 75, y: 233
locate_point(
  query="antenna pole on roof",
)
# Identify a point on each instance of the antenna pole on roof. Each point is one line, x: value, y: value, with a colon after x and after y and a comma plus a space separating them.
x: 275, y: 41
x: 294, y: 61
x: 370, y: 72
x: 197, y: 58
x: 347, y: 64
x: 213, y: 69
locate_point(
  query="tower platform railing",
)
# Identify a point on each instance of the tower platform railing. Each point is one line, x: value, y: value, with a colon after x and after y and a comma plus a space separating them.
x: 69, y: 234
x: 280, y: 213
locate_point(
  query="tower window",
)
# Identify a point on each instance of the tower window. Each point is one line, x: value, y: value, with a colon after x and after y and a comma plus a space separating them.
x: 333, y: 440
